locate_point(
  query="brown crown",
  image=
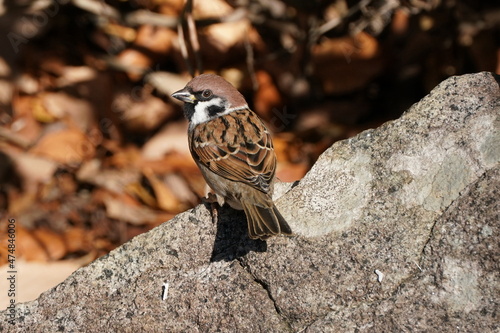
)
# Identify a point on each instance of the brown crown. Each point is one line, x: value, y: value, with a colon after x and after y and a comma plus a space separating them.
x: 219, y: 87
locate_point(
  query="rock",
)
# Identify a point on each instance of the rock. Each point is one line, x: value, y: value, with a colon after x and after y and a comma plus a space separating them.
x: 397, y: 230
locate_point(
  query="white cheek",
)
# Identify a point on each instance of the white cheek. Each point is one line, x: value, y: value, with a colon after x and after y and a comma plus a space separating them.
x: 201, y: 111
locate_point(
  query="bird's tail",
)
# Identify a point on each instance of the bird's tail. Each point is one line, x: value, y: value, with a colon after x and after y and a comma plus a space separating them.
x: 264, y: 222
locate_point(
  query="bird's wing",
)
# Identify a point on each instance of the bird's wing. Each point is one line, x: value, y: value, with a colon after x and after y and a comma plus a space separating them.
x: 236, y: 146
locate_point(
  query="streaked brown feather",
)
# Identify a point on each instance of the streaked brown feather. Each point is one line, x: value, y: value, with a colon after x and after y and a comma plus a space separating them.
x: 264, y: 222
x: 236, y: 146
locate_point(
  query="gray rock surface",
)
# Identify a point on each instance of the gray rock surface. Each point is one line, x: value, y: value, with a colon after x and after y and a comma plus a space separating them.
x: 397, y: 231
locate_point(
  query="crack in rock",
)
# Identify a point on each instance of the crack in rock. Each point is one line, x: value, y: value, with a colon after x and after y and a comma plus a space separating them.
x: 266, y: 287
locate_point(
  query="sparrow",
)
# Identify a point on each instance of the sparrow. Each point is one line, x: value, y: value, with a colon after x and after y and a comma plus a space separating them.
x: 234, y: 151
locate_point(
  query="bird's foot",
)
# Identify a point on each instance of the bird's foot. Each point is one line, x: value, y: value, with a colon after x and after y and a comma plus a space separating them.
x: 211, y: 199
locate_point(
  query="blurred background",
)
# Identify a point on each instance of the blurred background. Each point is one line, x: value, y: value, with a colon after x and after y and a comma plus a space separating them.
x: 93, y: 150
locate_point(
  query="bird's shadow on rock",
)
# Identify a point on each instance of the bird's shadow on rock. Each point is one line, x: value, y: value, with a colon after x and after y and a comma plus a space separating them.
x: 231, y: 239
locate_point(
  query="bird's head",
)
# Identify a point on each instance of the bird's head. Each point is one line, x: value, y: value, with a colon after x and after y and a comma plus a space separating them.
x: 208, y: 96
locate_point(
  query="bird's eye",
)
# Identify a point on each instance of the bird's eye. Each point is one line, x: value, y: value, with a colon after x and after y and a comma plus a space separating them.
x: 206, y: 93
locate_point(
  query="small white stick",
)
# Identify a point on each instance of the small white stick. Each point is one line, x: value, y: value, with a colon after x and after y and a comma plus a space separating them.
x: 380, y: 275
x: 419, y: 267
x: 165, y: 291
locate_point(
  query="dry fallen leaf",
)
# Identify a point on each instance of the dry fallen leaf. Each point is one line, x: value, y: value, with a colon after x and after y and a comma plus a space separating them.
x: 41, y: 113
x: 28, y: 246
x: 226, y: 35
x: 181, y: 190
x: 211, y: 8
x: 401, y: 21
x: 195, y: 180
x: 165, y: 198
x: 150, y: 45
x: 171, y: 138
x: 24, y: 123
x: 355, y: 61
x: 78, y: 111
x: 170, y: 7
x: 153, y: 39
x: 142, y: 193
x: 77, y: 240
x: 123, y: 157
x: 111, y: 179
x: 68, y: 146
x: 135, y: 62
x: 267, y: 96
x: 52, y: 242
x: 32, y: 169
x: 59, y: 188
x: 145, y: 114
x: 173, y: 162
x: 119, y: 209
x: 167, y: 83
x: 120, y: 31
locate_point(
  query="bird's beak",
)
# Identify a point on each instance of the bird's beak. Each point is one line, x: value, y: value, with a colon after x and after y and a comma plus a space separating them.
x: 184, y: 95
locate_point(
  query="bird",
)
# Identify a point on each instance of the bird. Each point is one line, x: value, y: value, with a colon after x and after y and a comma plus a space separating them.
x: 234, y: 151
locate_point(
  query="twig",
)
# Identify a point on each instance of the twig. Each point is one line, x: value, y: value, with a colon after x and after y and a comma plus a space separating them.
x: 333, y: 23
x: 183, y: 47
x: 98, y: 8
x: 236, y: 15
x: 193, y: 36
x: 250, y: 62
x: 142, y: 16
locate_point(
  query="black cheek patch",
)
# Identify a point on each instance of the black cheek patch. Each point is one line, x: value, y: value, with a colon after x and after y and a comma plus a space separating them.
x: 214, y: 110
x: 188, y: 110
